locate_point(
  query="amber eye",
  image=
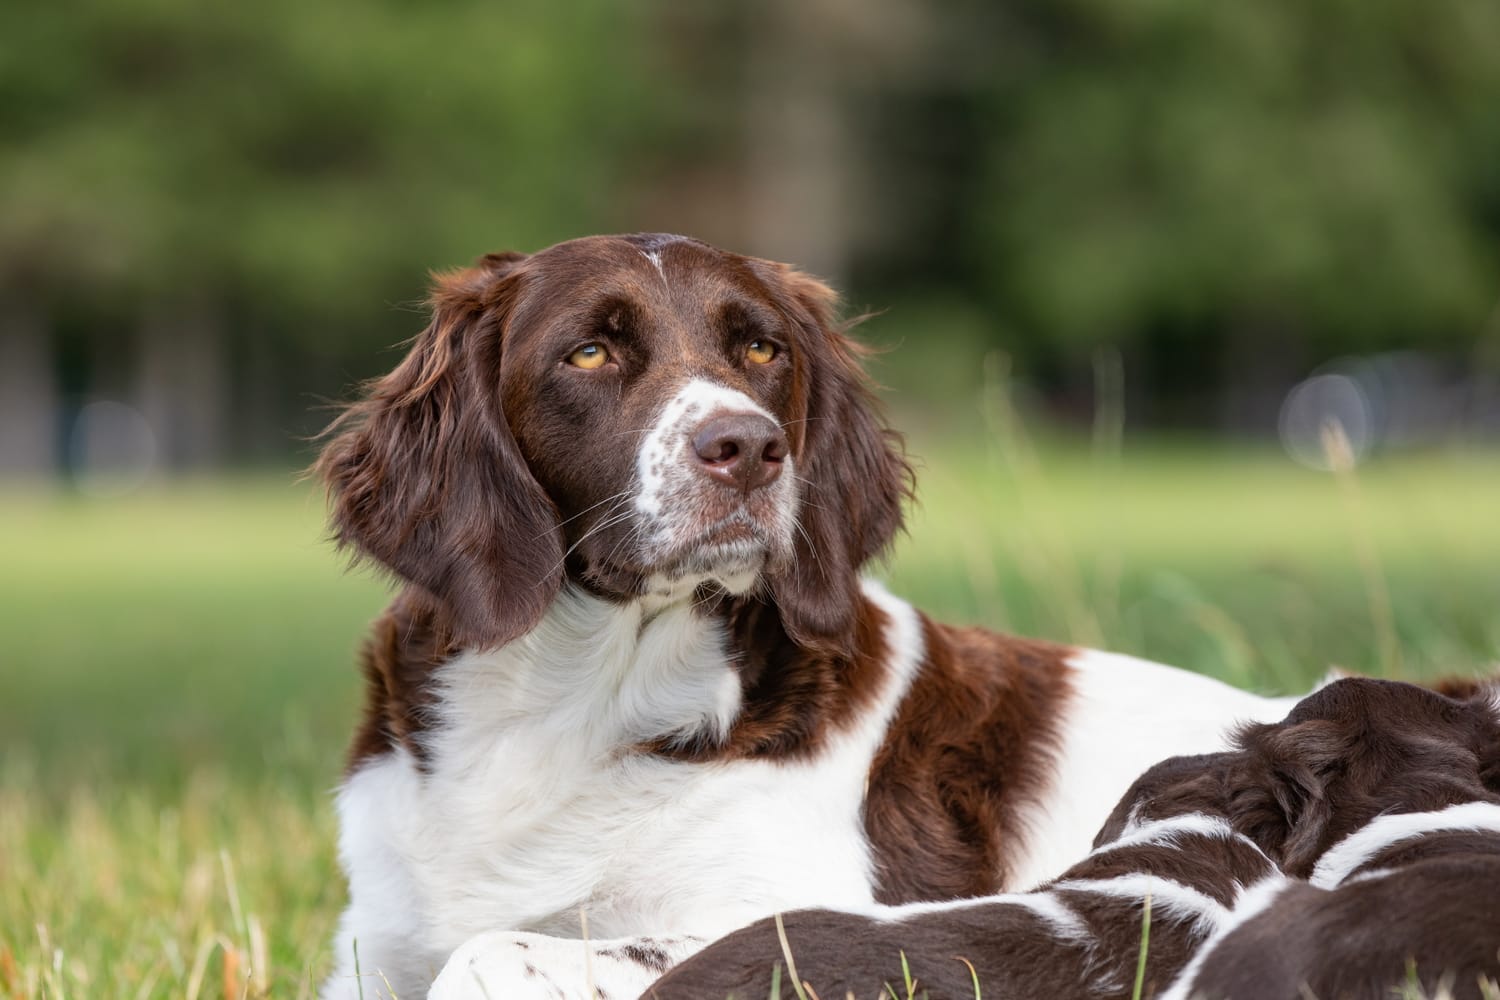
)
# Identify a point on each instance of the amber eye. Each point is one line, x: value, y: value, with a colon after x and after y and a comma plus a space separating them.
x: 760, y: 351
x: 589, y: 357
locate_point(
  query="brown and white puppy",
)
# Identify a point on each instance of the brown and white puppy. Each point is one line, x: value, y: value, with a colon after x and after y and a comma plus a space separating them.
x: 1079, y: 936
x: 1387, y: 798
x: 634, y: 674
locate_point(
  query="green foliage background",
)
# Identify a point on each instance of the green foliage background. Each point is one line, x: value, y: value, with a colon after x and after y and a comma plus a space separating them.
x: 1192, y: 184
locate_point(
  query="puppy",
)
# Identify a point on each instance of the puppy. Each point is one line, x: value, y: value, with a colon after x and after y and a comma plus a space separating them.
x: 1385, y: 797
x: 1079, y: 936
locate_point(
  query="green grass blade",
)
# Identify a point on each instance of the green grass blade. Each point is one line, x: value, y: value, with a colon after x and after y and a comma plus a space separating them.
x: 1140, y: 964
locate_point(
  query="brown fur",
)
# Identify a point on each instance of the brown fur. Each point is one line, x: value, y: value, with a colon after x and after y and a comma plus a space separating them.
x: 1435, y: 925
x: 970, y: 749
x: 794, y: 697
x: 1352, y: 751
x: 427, y: 480
x: 406, y: 645
x: 1355, y: 750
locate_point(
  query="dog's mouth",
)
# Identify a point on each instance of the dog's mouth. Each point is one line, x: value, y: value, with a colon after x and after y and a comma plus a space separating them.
x: 731, y: 552
x: 730, y: 545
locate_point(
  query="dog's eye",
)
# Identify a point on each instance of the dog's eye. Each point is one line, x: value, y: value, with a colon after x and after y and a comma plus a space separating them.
x: 589, y: 357
x: 760, y: 352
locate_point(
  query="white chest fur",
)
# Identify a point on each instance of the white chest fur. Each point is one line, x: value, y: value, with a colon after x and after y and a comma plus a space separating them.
x: 533, y: 805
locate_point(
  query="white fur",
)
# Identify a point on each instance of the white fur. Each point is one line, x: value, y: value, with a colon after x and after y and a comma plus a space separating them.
x: 1125, y: 715
x: 1355, y: 850
x: 654, y: 257
x: 1168, y: 830
x: 534, y: 806
x: 1167, y: 896
x: 1056, y: 914
x: 671, y: 494
x: 662, y: 465
x: 514, y: 965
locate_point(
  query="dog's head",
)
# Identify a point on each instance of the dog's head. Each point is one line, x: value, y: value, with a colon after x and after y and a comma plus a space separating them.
x: 1355, y: 750
x: 1345, y: 754
x: 646, y: 415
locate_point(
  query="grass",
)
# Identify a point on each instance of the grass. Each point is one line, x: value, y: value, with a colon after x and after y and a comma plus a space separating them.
x: 176, y: 685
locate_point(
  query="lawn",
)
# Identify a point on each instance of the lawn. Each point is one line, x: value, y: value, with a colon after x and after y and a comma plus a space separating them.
x: 177, y: 682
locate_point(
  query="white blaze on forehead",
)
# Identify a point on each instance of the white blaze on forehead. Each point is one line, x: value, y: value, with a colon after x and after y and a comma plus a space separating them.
x: 661, y: 460
x: 655, y: 258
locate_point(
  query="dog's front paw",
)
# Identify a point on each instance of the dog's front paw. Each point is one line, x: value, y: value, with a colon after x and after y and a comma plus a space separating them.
x: 515, y: 965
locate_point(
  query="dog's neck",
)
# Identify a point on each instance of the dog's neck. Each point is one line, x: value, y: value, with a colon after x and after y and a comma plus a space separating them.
x: 608, y: 673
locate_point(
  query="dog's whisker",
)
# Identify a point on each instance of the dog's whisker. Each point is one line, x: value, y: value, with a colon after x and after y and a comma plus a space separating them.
x: 623, y: 494
x: 601, y: 526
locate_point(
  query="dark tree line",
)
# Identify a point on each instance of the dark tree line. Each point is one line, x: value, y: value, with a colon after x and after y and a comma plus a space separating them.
x: 220, y: 213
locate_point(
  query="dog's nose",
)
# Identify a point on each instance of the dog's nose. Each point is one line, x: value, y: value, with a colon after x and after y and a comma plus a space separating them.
x: 743, y: 450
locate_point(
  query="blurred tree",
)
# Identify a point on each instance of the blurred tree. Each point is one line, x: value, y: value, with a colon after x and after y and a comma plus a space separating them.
x: 236, y: 202
x: 201, y: 173
x: 1279, y: 181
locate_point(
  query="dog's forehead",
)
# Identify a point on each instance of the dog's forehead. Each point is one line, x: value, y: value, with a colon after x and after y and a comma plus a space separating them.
x: 655, y: 269
x: 676, y: 295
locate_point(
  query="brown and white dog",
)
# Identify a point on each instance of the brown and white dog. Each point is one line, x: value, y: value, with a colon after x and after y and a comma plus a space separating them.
x: 1385, y: 796
x: 635, y: 675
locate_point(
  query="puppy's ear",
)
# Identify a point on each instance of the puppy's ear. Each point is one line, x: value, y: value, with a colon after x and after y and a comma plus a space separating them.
x: 1486, y: 742
x: 1279, y: 799
x: 853, y: 469
x: 424, y: 476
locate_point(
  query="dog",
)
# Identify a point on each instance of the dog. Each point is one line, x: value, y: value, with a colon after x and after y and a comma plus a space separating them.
x: 1385, y: 797
x: 634, y: 676
x: 1382, y: 795
x: 1079, y: 936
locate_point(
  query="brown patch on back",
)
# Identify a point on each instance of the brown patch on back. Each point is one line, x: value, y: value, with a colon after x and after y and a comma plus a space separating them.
x: 406, y: 645
x: 971, y: 748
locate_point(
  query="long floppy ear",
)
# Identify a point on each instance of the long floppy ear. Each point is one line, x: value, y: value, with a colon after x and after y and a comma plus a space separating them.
x: 424, y: 476
x: 1281, y: 800
x: 854, y: 476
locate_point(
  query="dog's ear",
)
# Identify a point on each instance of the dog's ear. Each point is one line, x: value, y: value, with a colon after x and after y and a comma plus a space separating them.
x: 853, y: 470
x: 1279, y: 797
x: 1485, y: 705
x: 424, y: 476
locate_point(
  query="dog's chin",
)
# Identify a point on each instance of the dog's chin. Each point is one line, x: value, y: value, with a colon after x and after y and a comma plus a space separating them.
x: 731, y: 555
